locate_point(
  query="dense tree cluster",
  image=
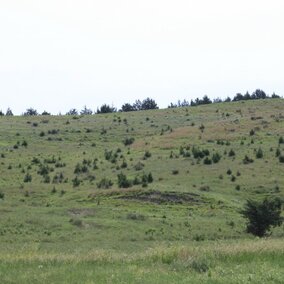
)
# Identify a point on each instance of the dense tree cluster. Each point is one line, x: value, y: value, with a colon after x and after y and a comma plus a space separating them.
x: 204, y: 101
x: 149, y: 103
x: 138, y: 105
x: 45, y: 113
x: 183, y: 103
x: 256, y: 95
x: 86, y: 111
x: 106, y: 109
x: 30, y: 112
x: 72, y: 111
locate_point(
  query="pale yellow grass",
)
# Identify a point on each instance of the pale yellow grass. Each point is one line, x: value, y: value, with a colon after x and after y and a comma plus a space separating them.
x: 192, y: 251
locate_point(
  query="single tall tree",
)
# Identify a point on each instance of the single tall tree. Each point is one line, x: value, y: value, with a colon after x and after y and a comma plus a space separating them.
x: 262, y: 215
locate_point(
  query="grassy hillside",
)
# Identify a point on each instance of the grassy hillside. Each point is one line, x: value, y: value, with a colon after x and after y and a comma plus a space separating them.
x: 140, y: 197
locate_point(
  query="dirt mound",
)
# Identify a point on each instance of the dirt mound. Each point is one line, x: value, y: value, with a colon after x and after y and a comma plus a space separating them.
x: 158, y: 197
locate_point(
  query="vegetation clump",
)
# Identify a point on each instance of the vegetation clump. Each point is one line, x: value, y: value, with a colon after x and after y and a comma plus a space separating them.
x: 231, y: 153
x: 216, y: 157
x: 123, y: 181
x: 262, y: 215
x: 247, y: 160
x: 259, y: 153
x: 76, y: 182
x: 105, y: 183
x: 80, y: 168
x: 198, y: 153
x: 281, y: 159
x: 139, y: 166
x: 207, y: 161
x: 128, y: 141
x: 147, y: 155
x: 27, y: 178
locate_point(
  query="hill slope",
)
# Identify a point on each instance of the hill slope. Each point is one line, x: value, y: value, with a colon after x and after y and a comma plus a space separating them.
x: 126, y: 182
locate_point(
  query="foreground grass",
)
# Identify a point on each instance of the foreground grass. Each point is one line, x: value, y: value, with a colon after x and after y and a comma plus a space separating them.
x: 254, y: 261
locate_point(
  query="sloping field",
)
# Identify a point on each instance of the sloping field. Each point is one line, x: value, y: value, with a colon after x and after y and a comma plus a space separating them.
x: 141, y: 197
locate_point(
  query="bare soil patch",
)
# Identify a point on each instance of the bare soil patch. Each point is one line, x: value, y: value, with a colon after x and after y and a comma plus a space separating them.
x: 158, y: 197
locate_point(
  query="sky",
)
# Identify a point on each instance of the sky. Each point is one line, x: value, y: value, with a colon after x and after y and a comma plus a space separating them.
x: 61, y: 54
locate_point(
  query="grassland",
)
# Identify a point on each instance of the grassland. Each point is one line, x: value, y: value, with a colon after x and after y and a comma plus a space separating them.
x: 58, y: 226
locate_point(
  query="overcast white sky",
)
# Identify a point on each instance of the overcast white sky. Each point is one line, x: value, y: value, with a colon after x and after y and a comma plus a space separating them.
x: 60, y: 54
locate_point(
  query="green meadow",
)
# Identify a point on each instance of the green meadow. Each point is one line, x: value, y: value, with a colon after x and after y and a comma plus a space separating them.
x: 141, y: 197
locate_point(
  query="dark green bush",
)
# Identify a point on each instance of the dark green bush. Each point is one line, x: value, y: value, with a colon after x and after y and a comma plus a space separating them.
x: 207, y: 161
x: 122, y: 181
x: 201, y: 127
x: 46, y: 179
x: 216, y: 157
x: 27, y: 178
x: 197, y: 153
x: 124, y: 164
x: 95, y: 166
x: 137, y: 180
x: 76, y: 182
x: 43, y: 170
x: 58, y: 178
x: 60, y: 165
x: 200, y: 266
x: 259, y: 153
x: 51, y: 160
x: 204, y: 188
x: 139, y: 166
x: 184, y: 151
x: 86, y: 162
x: 199, y: 238
x: 247, y: 160
x: 53, y: 131
x: 147, y: 155
x: 278, y: 152
x: 150, y: 178
x: 262, y: 215
x: 108, y: 155
x: 231, y: 153
x: 128, y: 141
x: 80, y: 169
x: 25, y: 143
x: 104, y: 183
